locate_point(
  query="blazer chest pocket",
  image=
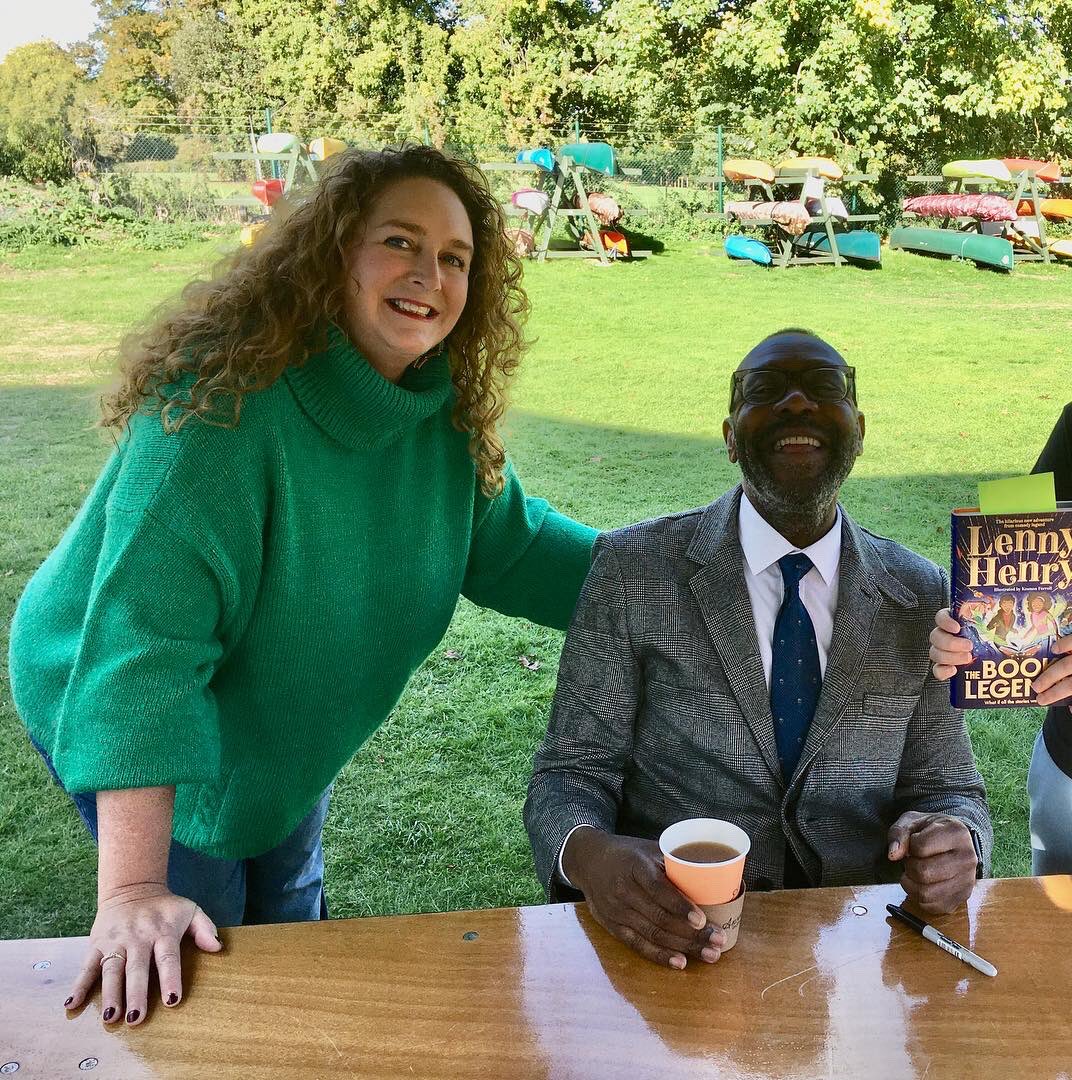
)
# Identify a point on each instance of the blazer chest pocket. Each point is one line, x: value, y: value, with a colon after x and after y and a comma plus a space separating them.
x: 875, y: 729
x: 890, y: 706
x: 690, y: 719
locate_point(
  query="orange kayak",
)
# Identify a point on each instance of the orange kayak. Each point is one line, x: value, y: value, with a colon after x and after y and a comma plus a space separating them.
x: 747, y: 169
x: 1049, y: 171
x: 1053, y: 209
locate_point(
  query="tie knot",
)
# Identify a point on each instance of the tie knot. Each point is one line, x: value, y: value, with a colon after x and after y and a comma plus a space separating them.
x: 793, y: 568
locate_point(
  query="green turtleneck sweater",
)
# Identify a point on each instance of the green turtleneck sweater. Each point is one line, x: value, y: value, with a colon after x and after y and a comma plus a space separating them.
x: 234, y: 611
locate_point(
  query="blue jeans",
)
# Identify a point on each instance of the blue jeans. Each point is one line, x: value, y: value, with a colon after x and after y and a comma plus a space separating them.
x: 1050, y: 792
x: 285, y: 884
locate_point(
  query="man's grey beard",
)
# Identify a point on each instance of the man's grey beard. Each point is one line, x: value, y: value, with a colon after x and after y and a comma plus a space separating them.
x: 806, y: 505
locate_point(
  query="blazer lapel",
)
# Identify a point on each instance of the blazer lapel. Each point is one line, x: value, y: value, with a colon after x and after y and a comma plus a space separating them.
x: 862, y: 579
x: 722, y: 597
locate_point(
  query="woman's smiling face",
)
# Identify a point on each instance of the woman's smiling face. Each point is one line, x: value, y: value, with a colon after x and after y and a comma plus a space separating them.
x: 408, y: 274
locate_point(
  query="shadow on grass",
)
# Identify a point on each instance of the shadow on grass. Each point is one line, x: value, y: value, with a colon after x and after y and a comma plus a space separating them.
x: 458, y: 747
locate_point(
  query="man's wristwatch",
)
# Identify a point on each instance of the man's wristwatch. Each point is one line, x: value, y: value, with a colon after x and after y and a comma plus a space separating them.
x: 978, y: 852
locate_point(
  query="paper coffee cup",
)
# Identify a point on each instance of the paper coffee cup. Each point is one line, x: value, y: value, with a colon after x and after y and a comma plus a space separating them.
x: 705, y: 882
x: 728, y: 916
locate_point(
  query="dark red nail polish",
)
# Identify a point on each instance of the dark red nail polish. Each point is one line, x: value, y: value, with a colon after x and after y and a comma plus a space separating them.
x: 172, y: 998
x: 132, y: 1016
x: 68, y: 1001
x: 109, y: 1013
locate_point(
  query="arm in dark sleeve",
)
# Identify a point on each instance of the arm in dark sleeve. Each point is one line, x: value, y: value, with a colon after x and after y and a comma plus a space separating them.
x: 579, y: 771
x: 526, y: 558
x: 1056, y: 456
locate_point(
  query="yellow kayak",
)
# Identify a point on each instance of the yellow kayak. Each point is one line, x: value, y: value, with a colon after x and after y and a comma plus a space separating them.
x: 1051, y: 209
x: 824, y: 166
x: 251, y: 232
x: 322, y: 149
x: 1062, y: 249
x: 747, y: 169
x: 989, y: 169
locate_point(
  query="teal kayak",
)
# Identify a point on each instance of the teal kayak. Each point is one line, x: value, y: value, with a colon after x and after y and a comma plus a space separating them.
x: 861, y: 245
x: 540, y: 157
x: 746, y: 247
x: 991, y: 250
x: 597, y: 156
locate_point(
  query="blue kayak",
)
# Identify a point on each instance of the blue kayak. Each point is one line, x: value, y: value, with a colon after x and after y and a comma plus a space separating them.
x: 745, y: 247
x: 861, y: 245
x: 597, y: 156
x: 541, y: 157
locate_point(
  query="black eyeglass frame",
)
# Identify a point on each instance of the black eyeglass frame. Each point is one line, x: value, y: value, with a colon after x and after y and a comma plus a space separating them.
x: 738, y: 377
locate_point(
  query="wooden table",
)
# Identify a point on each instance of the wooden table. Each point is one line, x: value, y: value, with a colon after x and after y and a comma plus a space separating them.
x: 821, y: 984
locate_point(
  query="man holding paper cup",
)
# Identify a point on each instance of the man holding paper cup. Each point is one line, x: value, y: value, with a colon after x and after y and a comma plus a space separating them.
x: 761, y: 662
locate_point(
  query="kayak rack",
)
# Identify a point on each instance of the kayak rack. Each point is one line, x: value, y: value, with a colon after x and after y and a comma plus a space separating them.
x: 556, y: 175
x: 821, y: 242
x: 997, y: 244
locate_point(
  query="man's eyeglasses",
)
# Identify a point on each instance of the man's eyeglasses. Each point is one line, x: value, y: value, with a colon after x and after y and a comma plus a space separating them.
x: 768, y: 386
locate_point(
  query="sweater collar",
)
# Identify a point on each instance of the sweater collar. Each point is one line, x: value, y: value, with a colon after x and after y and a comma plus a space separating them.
x: 347, y: 397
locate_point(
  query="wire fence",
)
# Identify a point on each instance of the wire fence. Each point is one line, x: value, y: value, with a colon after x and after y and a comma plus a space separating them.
x: 161, y: 152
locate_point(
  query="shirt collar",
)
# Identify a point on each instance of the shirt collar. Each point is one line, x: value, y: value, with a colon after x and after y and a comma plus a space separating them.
x: 763, y: 545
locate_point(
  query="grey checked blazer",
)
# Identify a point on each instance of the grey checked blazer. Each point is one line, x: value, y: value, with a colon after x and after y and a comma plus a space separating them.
x: 662, y: 710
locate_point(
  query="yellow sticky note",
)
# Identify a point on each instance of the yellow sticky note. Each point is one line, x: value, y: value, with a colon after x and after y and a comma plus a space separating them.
x: 1018, y: 495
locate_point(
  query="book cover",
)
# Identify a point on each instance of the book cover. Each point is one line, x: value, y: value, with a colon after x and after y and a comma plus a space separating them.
x: 1012, y: 594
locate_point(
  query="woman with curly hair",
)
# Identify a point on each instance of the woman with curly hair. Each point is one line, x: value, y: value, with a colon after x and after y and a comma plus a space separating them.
x: 310, y: 475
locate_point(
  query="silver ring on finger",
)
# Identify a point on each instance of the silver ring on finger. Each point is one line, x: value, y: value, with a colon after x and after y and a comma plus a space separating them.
x: 113, y: 956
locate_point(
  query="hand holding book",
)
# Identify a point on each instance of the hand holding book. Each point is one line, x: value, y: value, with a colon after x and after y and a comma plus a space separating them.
x: 950, y: 651
x: 1012, y: 592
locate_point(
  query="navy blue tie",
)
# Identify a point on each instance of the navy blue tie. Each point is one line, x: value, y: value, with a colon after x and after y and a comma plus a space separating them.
x: 795, y: 676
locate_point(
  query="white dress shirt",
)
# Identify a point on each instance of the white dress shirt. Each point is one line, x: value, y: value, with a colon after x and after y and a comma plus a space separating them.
x: 763, y: 546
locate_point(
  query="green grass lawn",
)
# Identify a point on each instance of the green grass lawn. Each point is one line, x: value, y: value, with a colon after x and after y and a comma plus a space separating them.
x: 617, y: 417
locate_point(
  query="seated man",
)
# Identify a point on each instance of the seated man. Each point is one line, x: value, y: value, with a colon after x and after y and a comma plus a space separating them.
x: 762, y: 660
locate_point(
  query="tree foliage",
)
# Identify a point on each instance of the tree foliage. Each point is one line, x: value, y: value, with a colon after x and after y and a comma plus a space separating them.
x: 133, y: 40
x: 42, y: 114
x: 886, y: 85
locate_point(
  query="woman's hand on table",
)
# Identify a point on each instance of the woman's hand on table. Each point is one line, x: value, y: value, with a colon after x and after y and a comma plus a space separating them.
x: 629, y: 895
x: 138, y: 926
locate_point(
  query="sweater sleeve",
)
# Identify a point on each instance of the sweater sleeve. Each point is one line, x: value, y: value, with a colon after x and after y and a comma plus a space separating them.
x: 526, y: 558
x: 139, y: 710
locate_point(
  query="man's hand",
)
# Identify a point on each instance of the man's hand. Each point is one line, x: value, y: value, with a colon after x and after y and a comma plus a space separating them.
x: 629, y: 894
x: 939, y: 860
x: 949, y: 648
x: 1055, y: 683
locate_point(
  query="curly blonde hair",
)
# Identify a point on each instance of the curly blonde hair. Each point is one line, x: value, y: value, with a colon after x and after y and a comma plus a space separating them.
x: 268, y: 306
